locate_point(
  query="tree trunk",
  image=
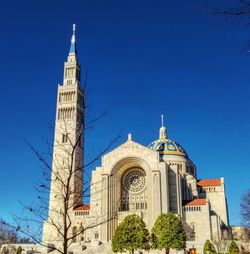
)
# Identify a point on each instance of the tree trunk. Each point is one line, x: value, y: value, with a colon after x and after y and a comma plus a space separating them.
x: 65, y: 248
x: 166, y: 251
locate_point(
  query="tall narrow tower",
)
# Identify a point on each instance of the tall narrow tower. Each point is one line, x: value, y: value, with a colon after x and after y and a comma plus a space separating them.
x: 67, y: 165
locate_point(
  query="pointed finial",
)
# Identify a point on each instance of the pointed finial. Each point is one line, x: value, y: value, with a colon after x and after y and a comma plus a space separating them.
x: 162, y: 120
x: 129, y: 137
x: 73, y: 41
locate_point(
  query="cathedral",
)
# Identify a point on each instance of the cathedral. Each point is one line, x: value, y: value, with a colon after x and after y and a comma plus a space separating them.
x: 133, y: 178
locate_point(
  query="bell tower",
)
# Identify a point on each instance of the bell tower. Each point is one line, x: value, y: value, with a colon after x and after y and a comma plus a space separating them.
x: 67, y: 165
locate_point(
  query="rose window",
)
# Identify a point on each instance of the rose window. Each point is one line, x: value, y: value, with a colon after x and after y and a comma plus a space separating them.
x: 134, y: 180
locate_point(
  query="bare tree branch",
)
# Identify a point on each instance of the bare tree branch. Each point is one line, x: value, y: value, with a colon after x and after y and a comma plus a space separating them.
x: 63, y: 172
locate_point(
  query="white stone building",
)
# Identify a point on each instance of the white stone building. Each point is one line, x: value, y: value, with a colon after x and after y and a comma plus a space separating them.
x: 132, y: 179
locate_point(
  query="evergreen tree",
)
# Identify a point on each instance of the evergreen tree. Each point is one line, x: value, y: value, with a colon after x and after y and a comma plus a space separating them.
x: 233, y: 248
x: 130, y: 235
x: 169, y: 232
x: 208, y: 247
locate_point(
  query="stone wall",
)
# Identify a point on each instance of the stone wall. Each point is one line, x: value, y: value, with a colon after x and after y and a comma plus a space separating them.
x: 197, y: 218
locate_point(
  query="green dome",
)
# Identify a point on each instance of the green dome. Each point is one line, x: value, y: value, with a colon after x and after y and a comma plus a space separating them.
x: 168, y: 147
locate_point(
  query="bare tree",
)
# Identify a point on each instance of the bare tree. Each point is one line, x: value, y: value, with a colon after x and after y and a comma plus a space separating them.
x: 241, y: 10
x: 63, y: 181
x: 238, y: 14
x: 62, y: 187
x: 245, y: 212
x: 7, y: 234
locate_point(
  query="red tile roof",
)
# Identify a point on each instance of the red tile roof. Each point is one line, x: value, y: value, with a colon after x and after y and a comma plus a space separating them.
x: 209, y: 182
x: 198, y: 201
x: 82, y: 207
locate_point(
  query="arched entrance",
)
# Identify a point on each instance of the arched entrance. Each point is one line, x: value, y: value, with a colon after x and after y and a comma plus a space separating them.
x: 127, y: 192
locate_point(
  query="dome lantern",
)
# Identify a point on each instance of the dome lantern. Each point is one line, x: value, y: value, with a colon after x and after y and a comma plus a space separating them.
x: 163, y: 130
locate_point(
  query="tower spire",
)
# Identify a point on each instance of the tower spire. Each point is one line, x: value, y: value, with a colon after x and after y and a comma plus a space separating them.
x: 72, y: 68
x: 72, y: 49
x: 163, y: 130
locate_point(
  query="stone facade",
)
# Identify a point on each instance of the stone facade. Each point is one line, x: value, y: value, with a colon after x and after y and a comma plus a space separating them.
x: 132, y: 179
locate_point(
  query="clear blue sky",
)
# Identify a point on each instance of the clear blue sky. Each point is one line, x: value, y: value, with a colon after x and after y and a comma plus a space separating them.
x: 144, y: 58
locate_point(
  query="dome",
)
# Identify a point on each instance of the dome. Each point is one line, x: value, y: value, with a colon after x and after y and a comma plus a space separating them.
x: 168, y: 147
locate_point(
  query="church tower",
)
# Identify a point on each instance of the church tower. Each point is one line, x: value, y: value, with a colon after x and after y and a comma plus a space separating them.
x: 67, y: 165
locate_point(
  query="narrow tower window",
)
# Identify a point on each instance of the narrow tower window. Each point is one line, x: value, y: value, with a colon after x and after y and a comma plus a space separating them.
x: 65, y: 138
